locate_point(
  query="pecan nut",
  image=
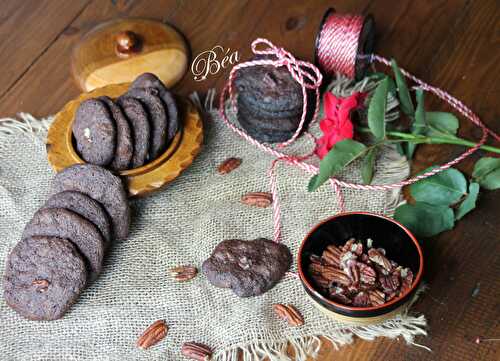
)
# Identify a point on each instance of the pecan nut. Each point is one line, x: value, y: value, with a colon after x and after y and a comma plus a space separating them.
x: 41, y: 285
x: 196, y: 351
x: 152, y: 335
x: 336, y: 275
x: 377, y: 257
x: 361, y: 299
x: 257, y: 199
x: 331, y: 255
x: 289, y: 313
x: 376, y: 297
x: 368, y: 276
x: 183, y: 273
x: 229, y: 165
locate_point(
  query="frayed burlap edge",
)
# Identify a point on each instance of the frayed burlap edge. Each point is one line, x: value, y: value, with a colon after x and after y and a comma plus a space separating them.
x: 403, y: 325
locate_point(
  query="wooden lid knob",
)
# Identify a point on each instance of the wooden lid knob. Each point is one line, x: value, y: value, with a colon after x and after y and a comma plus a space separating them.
x: 127, y: 43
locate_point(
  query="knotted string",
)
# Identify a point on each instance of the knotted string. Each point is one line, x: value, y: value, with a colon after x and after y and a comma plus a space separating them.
x: 299, y: 71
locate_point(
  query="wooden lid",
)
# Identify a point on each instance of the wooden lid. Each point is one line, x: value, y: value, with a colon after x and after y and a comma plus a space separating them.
x: 118, y: 51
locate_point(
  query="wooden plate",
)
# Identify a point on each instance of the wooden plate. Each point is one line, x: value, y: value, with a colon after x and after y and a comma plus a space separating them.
x: 143, y: 180
x: 117, y: 51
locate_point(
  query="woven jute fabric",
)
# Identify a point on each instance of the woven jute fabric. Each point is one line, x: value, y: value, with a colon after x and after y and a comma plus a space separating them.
x: 181, y: 225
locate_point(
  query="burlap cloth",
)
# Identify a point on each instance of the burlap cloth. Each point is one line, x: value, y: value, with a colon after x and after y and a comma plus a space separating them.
x: 181, y: 225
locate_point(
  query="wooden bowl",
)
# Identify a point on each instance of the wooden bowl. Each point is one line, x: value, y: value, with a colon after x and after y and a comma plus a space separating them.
x: 400, y: 245
x: 141, y: 181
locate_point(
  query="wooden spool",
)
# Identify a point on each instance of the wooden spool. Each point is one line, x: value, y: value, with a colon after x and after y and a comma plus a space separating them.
x: 118, y: 51
x: 143, y: 180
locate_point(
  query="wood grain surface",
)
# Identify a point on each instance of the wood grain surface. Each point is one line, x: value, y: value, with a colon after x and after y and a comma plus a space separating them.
x: 450, y: 43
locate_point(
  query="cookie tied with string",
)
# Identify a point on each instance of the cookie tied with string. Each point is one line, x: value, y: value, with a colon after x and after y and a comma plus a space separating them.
x: 270, y: 102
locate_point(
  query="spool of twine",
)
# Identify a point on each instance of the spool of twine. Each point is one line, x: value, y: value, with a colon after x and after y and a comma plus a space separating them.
x: 344, y: 43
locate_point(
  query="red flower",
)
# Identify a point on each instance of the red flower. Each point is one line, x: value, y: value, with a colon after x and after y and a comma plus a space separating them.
x: 337, y: 124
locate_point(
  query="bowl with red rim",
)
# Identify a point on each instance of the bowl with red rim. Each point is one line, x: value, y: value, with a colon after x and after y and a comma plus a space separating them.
x: 398, y: 242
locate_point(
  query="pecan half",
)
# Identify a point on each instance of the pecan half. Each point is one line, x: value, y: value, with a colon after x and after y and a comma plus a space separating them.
x: 316, y: 268
x: 152, y: 335
x: 389, y: 283
x: 183, y: 273
x: 352, y: 271
x: 347, y: 246
x: 336, y: 275
x: 377, y: 257
x: 368, y: 276
x: 339, y: 294
x: 196, y: 351
x: 320, y: 281
x: 361, y: 299
x: 257, y: 199
x: 331, y: 255
x: 41, y: 285
x: 406, y: 280
x: 376, y: 297
x: 229, y: 165
x: 288, y: 313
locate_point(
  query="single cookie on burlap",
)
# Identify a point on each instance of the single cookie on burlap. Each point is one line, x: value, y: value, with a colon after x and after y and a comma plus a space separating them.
x: 62, y: 223
x: 149, y: 80
x: 94, y: 131
x: 43, y: 277
x: 103, y: 186
x: 124, y: 142
x: 139, y: 122
x: 84, y: 206
x: 248, y: 268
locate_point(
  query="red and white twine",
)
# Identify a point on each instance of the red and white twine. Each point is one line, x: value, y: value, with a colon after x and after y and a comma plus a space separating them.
x: 309, y: 77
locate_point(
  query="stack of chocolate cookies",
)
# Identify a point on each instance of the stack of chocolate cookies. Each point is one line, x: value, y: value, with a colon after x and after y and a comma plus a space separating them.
x: 270, y: 102
x: 130, y: 131
x: 63, y: 246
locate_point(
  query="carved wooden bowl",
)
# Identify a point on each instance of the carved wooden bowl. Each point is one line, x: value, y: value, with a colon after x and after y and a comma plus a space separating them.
x: 141, y: 181
x: 400, y: 244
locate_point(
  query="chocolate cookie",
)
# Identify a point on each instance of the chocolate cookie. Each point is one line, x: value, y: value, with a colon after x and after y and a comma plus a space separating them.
x: 269, y: 88
x: 149, y: 80
x: 43, y: 277
x: 267, y: 130
x: 61, y: 223
x: 124, y: 143
x: 84, y: 206
x: 94, y: 131
x: 138, y: 119
x: 248, y: 268
x: 157, y: 115
x: 103, y: 186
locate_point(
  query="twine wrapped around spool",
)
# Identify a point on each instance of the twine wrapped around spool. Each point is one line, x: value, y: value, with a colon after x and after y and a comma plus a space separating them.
x: 344, y: 43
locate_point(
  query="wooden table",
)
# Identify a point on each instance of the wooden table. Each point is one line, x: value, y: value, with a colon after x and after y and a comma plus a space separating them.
x: 453, y: 44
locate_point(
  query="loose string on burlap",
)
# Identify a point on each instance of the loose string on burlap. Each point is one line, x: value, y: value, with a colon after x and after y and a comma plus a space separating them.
x: 309, y: 77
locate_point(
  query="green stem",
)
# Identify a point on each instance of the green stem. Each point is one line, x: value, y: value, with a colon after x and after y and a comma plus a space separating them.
x: 421, y: 139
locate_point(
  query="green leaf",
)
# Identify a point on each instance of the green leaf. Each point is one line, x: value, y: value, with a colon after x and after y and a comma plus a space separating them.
x: 400, y: 149
x: 445, y: 188
x: 376, y: 109
x: 441, y: 123
x: 368, y: 165
x: 487, y: 172
x: 342, y: 153
x: 419, y: 124
x: 404, y: 94
x: 469, y: 203
x: 425, y: 220
x: 376, y: 76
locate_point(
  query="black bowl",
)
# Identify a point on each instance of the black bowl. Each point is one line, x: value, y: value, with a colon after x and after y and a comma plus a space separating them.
x: 400, y: 245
